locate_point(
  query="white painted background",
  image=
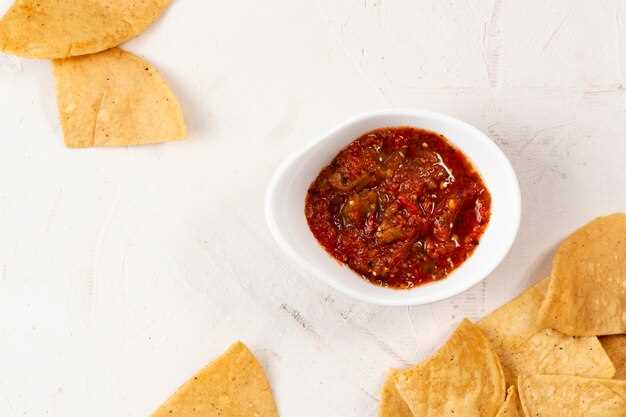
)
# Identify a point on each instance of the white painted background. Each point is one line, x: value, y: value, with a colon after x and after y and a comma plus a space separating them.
x: 122, y: 271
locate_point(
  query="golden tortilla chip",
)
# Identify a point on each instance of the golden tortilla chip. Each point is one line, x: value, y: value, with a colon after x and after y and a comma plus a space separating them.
x: 114, y: 98
x: 234, y: 385
x: 391, y: 403
x: 63, y: 28
x: 510, y: 408
x: 615, y: 347
x: 552, y: 352
x: 587, y: 292
x: 517, y: 318
x: 463, y: 379
x: 524, y: 348
x: 572, y: 396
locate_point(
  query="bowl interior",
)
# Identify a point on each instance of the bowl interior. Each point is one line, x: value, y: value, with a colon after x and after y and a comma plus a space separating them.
x: 287, y: 192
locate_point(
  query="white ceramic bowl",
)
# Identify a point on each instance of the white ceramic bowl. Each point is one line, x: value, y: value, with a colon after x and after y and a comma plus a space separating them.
x: 285, y: 199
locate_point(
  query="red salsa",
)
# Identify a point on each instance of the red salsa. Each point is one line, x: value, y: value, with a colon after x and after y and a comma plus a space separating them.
x: 400, y: 206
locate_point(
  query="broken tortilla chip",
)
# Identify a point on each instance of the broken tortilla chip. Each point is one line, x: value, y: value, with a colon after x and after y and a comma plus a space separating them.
x: 615, y: 347
x: 587, y: 291
x: 391, y: 403
x: 114, y: 98
x: 463, y: 379
x: 60, y: 28
x: 510, y: 408
x: 571, y: 396
x: 525, y: 349
x: 234, y: 385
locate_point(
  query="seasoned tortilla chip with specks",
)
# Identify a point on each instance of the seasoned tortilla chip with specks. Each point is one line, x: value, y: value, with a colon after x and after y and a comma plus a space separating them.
x: 525, y: 348
x: 62, y: 28
x: 587, y: 291
x: 115, y: 98
x: 463, y: 379
x: 572, y: 396
x: 234, y: 385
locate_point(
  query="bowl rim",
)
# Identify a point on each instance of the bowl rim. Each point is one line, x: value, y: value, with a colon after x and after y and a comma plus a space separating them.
x: 310, y: 268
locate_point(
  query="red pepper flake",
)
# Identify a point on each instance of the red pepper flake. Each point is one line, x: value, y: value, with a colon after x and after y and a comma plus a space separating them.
x: 408, y: 204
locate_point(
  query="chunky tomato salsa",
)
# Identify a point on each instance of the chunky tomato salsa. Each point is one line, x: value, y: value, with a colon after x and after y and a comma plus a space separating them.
x: 400, y: 206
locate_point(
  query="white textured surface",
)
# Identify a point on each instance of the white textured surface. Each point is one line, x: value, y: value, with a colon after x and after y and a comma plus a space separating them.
x: 122, y: 271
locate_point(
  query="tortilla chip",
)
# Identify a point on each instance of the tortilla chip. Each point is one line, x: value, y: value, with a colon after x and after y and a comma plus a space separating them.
x: 615, y: 347
x: 115, y: 99
x: 587, y: 292
x: 234, y: 385
x: 62, y: 28
x: 510, y: 408
x: 391, y: 403
x: 552, y: 352
x: 463, y: 379
x: 517, y: 318
x: 524, y: 348
x: 571, y: 396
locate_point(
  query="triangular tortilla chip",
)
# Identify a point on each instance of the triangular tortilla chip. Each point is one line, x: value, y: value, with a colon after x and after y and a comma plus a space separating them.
x: 510, y: 408
x: 524, y: 348
x: 114, y: 98
x: 517, y: 318
x: 391, y: 403
x: 615, y: 347
x: 587, y: 292
x: 62, y: 28
x: 571, y: 396
x: 234, y: 385
x: 463, y: 379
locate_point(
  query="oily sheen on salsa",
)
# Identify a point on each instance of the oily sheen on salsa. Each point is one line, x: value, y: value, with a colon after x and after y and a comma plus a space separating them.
x: 400, y: 206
